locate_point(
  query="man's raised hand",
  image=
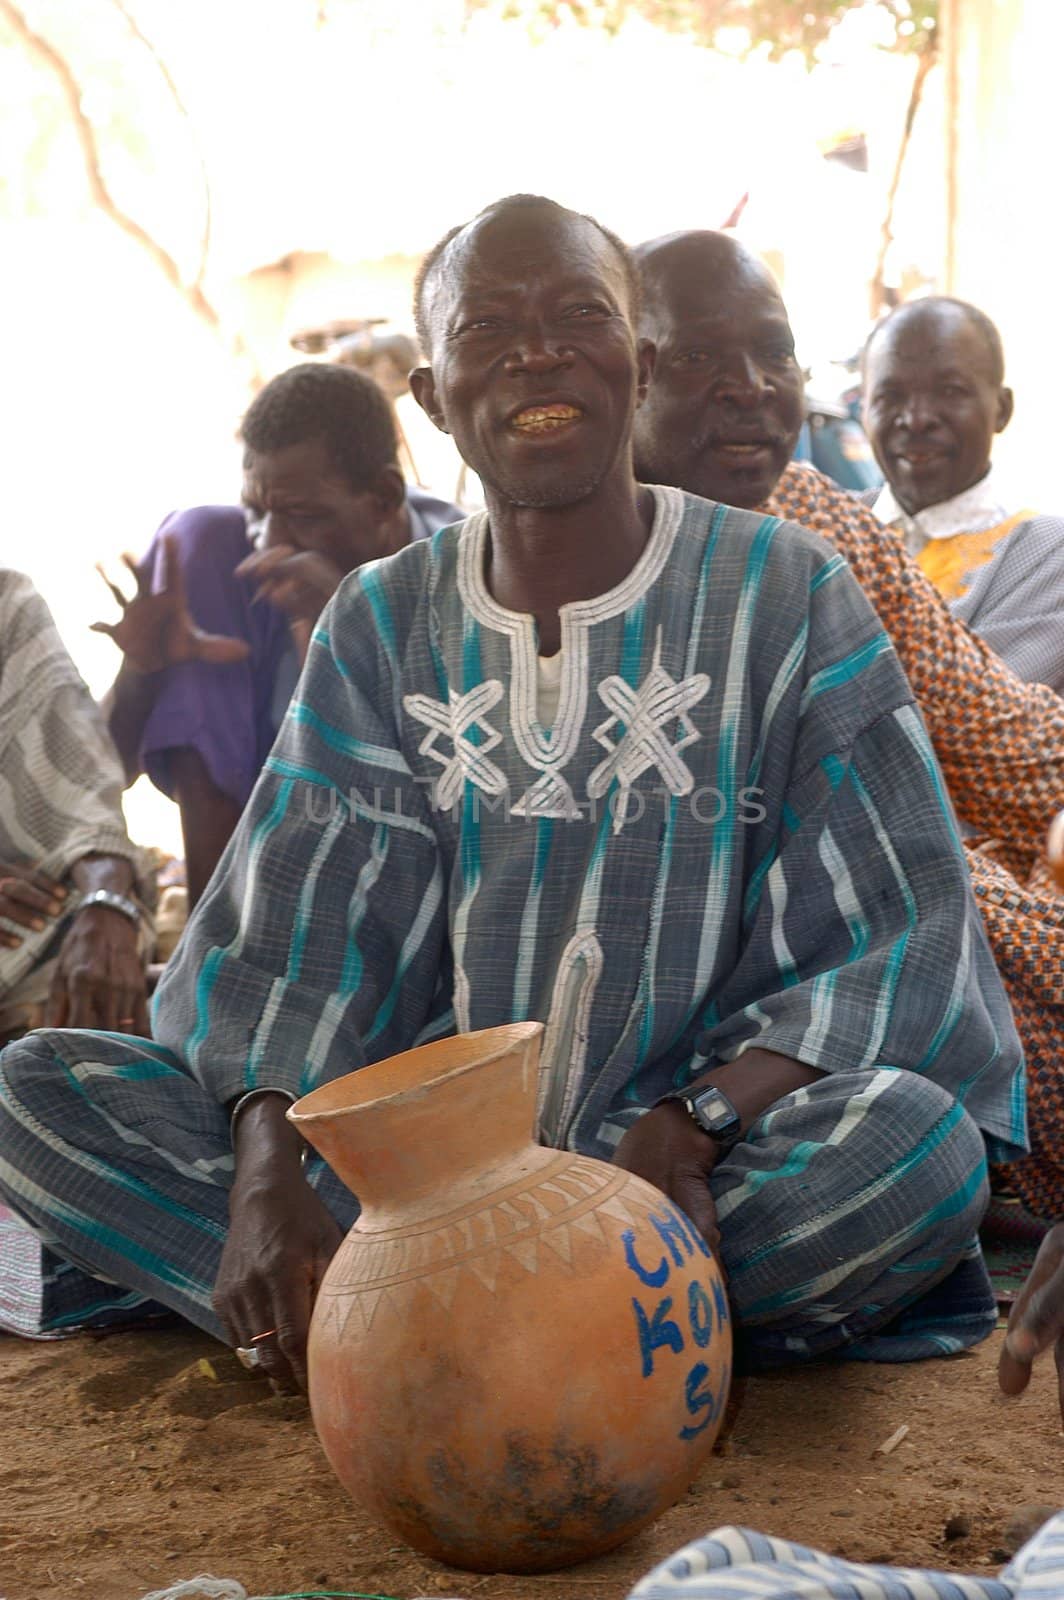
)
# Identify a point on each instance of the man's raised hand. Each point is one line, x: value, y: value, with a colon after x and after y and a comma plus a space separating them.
x: 157, y: 630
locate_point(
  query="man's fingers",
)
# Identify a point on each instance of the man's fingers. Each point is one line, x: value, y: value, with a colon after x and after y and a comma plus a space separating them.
x: 109, y: 628
x: 691, y: 1193
x: 1014, y: 1373
x: 171, y: 573
x: 260, y: 562
x: 56, y: 1008
x: 1037, y: 1318
x: 141, y: 573
x: 116, y: 592
x: 141, y: 1016
x: 26, y: 902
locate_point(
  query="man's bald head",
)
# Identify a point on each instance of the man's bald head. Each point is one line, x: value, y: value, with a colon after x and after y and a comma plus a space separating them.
x: 677, y: 263
x: 726, y: 400
x: 934, y: 398
x: 447, y: 254
x: 940, y: 316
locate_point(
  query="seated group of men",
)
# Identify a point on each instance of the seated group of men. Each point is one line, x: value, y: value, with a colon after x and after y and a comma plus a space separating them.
x: 634, y: 752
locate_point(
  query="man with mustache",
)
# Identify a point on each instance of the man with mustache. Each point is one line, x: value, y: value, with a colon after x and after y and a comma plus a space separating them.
x: 603, y: 755
x: 720, y: 420
x: 934, y: 401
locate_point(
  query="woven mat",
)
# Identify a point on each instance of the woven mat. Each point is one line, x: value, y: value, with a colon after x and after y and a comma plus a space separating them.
x: 1010, y: 1237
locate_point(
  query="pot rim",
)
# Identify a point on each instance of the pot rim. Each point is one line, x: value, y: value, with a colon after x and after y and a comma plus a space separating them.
x: 331, y: 1100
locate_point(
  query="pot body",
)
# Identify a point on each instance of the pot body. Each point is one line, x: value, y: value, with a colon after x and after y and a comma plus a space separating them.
x: 518, y: 1368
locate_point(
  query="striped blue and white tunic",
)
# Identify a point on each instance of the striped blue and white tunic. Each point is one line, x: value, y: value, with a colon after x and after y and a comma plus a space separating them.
x: 733, y: 834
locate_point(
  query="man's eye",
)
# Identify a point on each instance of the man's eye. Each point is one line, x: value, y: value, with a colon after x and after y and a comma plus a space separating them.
x: 588, y: 309
x: 479, y: 325
x: 692, y: 358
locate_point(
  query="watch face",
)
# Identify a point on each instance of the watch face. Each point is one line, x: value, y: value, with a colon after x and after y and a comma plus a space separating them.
x: 715, y: 1112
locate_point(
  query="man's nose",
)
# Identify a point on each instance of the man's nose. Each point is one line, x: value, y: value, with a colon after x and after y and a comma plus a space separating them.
x: 917, y: 413
x: 537, y: 349
x: 743, y: 382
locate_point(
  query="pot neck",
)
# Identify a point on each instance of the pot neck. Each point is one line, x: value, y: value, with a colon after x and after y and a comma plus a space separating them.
x: 428, y: 1144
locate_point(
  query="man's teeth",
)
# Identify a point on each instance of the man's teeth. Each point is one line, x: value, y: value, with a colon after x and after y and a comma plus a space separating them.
x: 745, y: 449
x: 541, y: 419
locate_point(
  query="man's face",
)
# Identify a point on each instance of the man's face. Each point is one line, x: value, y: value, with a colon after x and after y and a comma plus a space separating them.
x: 932, y: 406
x: 726, y: 402
x: 296, y: 496
x: 535, y: 370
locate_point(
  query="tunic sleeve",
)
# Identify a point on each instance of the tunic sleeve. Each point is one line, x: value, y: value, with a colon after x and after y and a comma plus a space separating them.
x: 1016, y: 608
x: 863, y: 946
x: 319, y: 942
x: 1000, y: 740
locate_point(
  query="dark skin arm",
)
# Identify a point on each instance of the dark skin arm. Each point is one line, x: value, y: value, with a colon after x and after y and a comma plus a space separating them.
x: 667, y: 1148
x: 208, y: 817
x: 99, y: 979
x: 281, y: 1239
x: 127, y: 705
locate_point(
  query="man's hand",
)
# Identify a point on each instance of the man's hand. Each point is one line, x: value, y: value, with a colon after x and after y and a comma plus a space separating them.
x: 157, y: 630
x: 1036, y: 1320
x: 667, y: 1149
x: 300, y: 582
x: 281, y: 1239
x: 99, y: 979
x: 29, y: 899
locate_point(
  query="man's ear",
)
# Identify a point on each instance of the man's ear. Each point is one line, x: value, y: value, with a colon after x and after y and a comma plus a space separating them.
x: 1005, y: 404
x: 389, y: 489
x: 423, y: 388
x: 646, y: 355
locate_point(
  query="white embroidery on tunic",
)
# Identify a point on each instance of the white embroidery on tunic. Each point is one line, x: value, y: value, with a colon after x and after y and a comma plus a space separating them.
x: 454, y: 720
x: 645, y: 713
x: 549, y: 796
x: 564, y: 1052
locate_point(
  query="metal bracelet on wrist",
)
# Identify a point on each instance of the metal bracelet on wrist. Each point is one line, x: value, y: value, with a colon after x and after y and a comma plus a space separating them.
x: 257, y: 1094
x: 114, y: 902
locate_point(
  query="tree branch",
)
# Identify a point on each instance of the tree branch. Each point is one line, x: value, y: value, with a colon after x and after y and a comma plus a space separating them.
x: 45, y: 52
x: 924, y: 62
x: 175, y: 94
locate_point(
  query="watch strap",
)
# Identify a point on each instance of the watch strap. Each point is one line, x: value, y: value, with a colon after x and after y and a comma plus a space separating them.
x: 114, y: 902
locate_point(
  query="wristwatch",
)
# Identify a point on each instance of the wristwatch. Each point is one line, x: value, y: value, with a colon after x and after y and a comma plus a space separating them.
x: 115, y: 902
x: 714, y: 1113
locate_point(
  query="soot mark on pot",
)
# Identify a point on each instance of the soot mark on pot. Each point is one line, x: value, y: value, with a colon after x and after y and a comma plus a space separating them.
x: 549, y: 1490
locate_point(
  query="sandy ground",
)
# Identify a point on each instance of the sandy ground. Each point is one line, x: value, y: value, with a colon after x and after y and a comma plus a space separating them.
x: 133, y: 1462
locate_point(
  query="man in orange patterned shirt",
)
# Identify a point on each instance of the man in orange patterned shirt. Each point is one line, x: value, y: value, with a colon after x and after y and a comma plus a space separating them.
x: 721, y: 420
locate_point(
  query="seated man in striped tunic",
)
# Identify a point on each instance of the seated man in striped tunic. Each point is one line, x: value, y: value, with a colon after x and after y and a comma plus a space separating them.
x: 637, y: 765
x: 721, y: 418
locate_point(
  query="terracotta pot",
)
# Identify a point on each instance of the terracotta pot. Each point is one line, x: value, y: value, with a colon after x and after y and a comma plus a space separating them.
x: 519, y: 1356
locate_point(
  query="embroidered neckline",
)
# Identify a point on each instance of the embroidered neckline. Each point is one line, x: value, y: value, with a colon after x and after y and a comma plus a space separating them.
x: 549, y: 750
x: 472, y: 544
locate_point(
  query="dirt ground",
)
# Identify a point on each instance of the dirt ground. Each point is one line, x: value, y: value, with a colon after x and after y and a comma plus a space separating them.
x: 130, y: 1463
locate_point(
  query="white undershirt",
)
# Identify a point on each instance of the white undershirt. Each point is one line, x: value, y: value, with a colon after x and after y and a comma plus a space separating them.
x: 548, y: 688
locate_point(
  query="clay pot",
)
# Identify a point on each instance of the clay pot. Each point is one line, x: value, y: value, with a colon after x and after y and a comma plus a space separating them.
x: 518, y: 1356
